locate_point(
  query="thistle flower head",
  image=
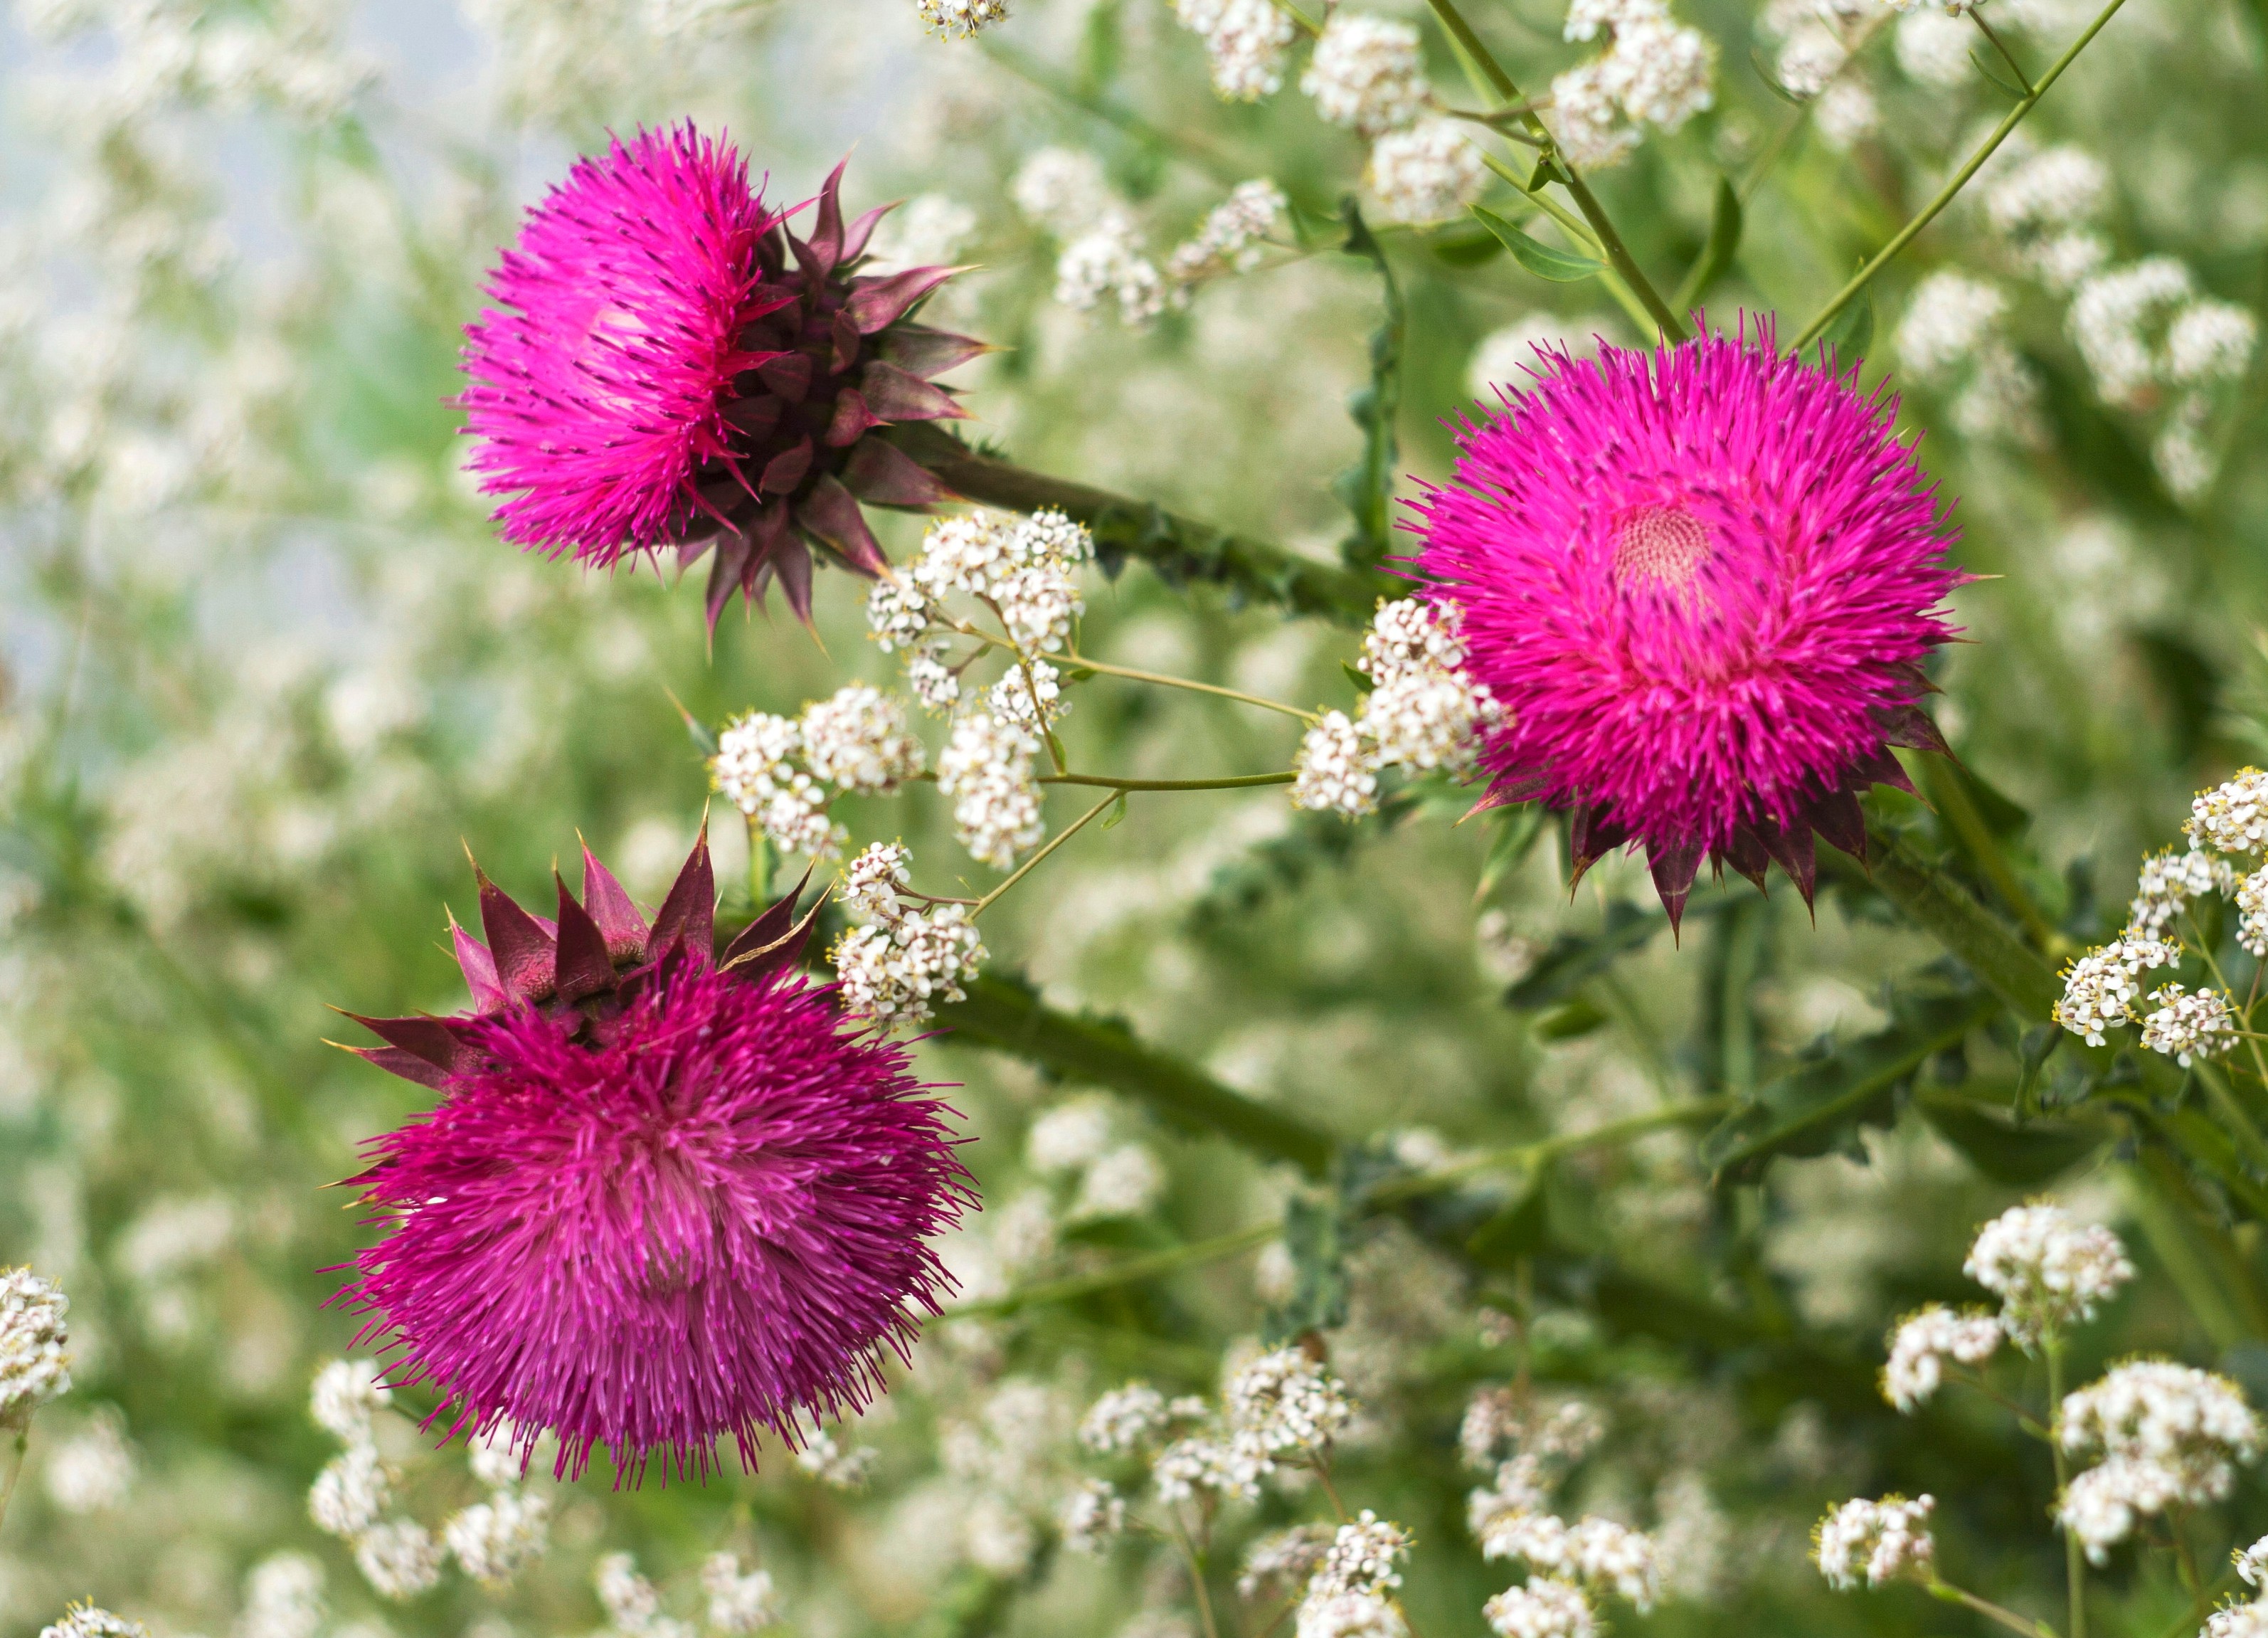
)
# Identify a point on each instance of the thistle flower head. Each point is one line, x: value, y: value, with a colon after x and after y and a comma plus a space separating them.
x: 668, y: 365
x: 1699, y: 584
x: 667, y: 1196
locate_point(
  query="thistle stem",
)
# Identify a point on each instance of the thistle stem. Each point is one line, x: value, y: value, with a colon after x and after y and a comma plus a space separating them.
x: 1617, y: 254
x: 1054, y: 842
x: 1945, y: 194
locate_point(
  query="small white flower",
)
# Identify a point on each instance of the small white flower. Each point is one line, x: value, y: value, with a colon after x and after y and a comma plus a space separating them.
x: 824, y: 1458
x: 2188, y: 1025
x: 1092, y: 1517
x: 85, y: 1620
x: 1924, y: 1341
x: 2112, y: 318
x: 1245, y: 41
x: 857, y: 739
x: 1286, y: 1401
x: 1234, y: 235
x: 896, y: 972
x: 2231, y: 817
x: 2101, y: 987
x: 1427, y: 173
x: 92, y: 1472
x: 1933, y: 48
x: 1543, y: 1608
x: 399, y: 1558
x: 1010, y: 699
x: 1874, y: 1541
x: 349, y: 1495
x: 2237, y: 1621
x: 1367, y: 73
x: 345, y: 1395
x: 1125, y: 1419
x: 34, y: 1367
x: 2252, y: 1563
x: 1068, y: 1137
x: 1062, y: 189
x: 874, y: 880
x: 2048, y: 1271
x: 1335, y: 771
x: 1348, y: 1615
x: 986, y: 772
x: 2210, y: 341
x: 959, y: 19
x: 493, y: 1541
x: 1946, y: 319
x: 1122, y: 1182
x: 737, y: 1602
x: 1284, y: 1558
x: 1187, y: 1466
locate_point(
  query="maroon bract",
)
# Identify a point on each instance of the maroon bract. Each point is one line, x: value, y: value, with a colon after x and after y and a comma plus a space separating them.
x: 668, y: 365
x: 1700, y: 582
x: 665, y: 1197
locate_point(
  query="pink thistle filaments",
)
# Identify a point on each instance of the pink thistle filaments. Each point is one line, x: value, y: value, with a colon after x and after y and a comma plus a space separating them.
x: 1700, y: 582
x: 666, y: 1196
x: 666, y: 364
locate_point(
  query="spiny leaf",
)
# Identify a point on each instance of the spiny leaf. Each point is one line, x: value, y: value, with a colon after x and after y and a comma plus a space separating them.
x: 1367, y: 488
x: 1316, y: 1234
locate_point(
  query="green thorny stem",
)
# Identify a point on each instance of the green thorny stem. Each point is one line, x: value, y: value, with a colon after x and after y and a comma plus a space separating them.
x: 1611, y: 243
x: 1392, y: 1192
x: 2074, y: 1559
x: 1960, y: 179
x: 18, y: 1436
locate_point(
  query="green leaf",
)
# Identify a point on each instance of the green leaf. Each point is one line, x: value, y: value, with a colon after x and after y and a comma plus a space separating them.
x: 1367, y: 488
x: 1716, y: 252
x: 1465, y: 250
x: 1117, y: 812
x: 1517, y: 827
x: 1561, y: 267
x: 703, y: 738
x: 2038, y: 1046
x: 2023, y: 1155
x: 1570, y: 1021
x: 1817, y: 1107
x: 1573, y: 959
x: 1998, y: 75
x: 1853, y: 330
x: 1316, y: 1234
x: 1362, y: 682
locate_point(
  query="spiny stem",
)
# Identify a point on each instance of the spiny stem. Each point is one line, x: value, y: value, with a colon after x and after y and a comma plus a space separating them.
x: 1163, y: 681
x: 1617, y: 254
x: 1054, y: 842
x: 1945, y: 194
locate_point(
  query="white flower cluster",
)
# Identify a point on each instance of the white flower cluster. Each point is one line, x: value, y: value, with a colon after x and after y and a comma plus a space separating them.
x: 1246, y: 42
x: 1284, y: 1558
x: 1923, y: 1340
x: 2169, y: 1434
x: 2049, y: 1272
x: 2100, y: 989
x: 33, y: 1334
x: 1568, y: 1565
x: 960, y: 20
x: 1283, y: 1401
x: 1115, y: 1179
x: 1875, y: 1542
x: 2166, y: 883
x: 494, y: 1539
x: 898, y: 966
x: 1347, y: 1594
x: 1026, y: 569
x: 92, y: 1472
x: 398, y: 1556
x: 1422, y: 711
x: 282, y: 1597
x: 782, y: 773
x: 986, y: 772
x: 1543, y: 1607
x: 2232, y: 817
x: 839, y: 1467
x: 1655, y: 72
x: 2142, y: 328
x: 1233, y: 235
x: 2042, y: 205
x: 1367, y: 73
x: 632, y: 1602
x: 2187, y: 1025
x: 1503, y: 1422
x: 1092, y: 1516
x: 738, y: 1603
x: 1951, y: 335
x: 1064, y: 191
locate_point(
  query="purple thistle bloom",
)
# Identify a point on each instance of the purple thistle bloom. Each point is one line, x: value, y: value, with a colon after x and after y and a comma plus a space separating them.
x: 667, y: 365
x: 1700, y: 582
x: 664, y: 1198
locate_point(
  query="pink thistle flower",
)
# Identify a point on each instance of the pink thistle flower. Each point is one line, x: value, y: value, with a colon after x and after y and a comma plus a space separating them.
x: 664, y: 1198
x: 667, y: 365
x: 1700, y: 584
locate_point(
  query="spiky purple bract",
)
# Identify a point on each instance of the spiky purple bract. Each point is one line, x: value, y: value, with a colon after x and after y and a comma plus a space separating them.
x: 662, y: 1199
x: 1700, y: 582
x: 599, y: 379
x: 667, y: 365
